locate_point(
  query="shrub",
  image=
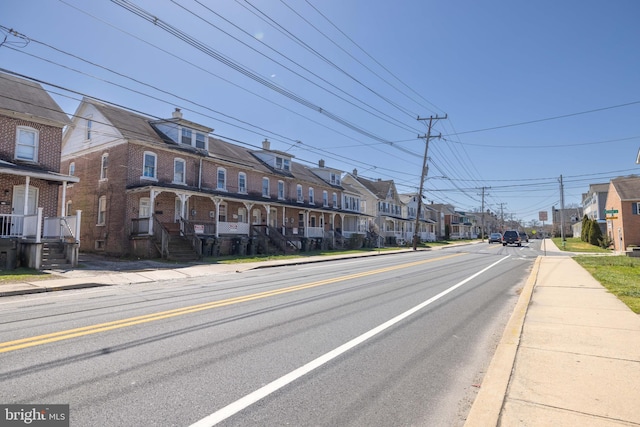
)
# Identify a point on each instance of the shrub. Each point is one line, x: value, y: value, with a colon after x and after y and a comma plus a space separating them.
x: 595, y: 235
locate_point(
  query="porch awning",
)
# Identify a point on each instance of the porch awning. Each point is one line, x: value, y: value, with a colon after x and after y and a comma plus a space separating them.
x: 20, y: 170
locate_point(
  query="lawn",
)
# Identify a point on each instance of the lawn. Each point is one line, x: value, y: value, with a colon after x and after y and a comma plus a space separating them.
x: 619, y: 274
x: 22, y: 275
x: 575, y: 244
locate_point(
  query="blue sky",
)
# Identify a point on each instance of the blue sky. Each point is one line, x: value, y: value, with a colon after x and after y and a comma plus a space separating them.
x: 531, y: 90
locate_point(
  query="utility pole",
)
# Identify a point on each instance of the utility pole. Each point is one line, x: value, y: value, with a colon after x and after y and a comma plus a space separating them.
x: 423, y: 176
x: 502, y: 217
x: 482, y: 210
x: 562, y: 212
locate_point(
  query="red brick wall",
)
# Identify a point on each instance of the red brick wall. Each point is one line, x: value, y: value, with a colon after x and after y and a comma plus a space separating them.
x: 49, y: 142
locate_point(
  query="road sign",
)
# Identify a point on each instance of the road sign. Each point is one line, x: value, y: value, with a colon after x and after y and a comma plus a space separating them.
x: 611, y: 217
x: 611, y: 211
x: 542, y: 216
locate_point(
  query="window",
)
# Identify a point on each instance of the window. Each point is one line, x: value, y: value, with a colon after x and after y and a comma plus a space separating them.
x: 311, y: 199
x: 27, y: 144
x: 144, y: 210
x: 242, y: 182
x: 222, y: 179
x: 281, y: 190
x: 282, y: 163
x: 325, y: 199
x: 335, y: 200
x: 635, y: 208
x: 72, y: 168
x: 299, y: 196
x: 186, y: 136
x: 200, y: 140
x: 149, y: 168
x: 89, y: 128
x: 265, y: 187
x: 222, y: 213
x: 287, y: 165
x: 68, y: 208
x: 103, y: 166
x: 179, y: 167
x: 335, y: 179
x: 242, y: 215
x: 102, y: 210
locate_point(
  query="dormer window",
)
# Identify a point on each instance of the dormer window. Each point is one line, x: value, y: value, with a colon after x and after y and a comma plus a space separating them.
x: 335, y: 179
x: 283, y: 164
x: 186, y: 136
x: 193, y: 138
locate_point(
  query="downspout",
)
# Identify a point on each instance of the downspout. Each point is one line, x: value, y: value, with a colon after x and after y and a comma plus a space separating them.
x: 200, y: 175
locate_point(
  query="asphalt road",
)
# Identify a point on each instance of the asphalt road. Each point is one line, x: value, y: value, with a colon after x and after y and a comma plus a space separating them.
x: 390, y: 340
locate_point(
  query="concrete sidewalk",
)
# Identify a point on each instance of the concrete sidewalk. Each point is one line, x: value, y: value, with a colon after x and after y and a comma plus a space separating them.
x: 569, y: 356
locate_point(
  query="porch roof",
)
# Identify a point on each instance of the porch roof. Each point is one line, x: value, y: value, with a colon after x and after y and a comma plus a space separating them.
x: 22, y: 170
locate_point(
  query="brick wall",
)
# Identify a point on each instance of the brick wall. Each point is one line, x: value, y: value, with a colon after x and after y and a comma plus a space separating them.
x: 49, y: 142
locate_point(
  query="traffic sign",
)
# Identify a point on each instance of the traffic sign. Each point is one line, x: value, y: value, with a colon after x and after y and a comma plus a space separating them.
x: 611, y: 217
x: 610, y: 211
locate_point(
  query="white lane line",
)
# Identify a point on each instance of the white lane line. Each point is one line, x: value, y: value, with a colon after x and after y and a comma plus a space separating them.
x: 261, y: 393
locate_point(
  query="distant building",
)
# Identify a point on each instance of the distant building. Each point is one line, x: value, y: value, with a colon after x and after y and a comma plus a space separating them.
x: 567, y: 217
x: 623, y: 203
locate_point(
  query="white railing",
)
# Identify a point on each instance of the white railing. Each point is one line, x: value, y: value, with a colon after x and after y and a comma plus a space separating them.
x: 315, y: 232
x: 11, y: 225
x: 59, y: 227
x: 34, y: 226
x: 233, y: 228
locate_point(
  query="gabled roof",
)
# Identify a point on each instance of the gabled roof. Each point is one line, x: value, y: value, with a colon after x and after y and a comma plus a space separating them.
x: 132, y: 126
x: 628, y: 188
x: 24, y: 97
x: 379, y: 188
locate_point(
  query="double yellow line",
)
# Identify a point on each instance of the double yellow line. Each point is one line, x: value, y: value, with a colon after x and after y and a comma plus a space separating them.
x: 8, y: 346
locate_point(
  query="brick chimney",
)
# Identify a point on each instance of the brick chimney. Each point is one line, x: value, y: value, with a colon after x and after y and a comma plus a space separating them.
x: 266, y: 145
x: 177, y: 114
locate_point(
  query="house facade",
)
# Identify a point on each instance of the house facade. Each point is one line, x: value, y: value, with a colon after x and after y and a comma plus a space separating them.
x: 33, y: 220
x: 623, y: 221
x: 165, y: 187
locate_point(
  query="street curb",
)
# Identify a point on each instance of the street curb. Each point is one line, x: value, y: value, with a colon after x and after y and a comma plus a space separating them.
x: 488, y: 404
x: 41, y: 290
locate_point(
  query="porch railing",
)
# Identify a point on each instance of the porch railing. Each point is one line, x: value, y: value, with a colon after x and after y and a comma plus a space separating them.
x: 36, y: 227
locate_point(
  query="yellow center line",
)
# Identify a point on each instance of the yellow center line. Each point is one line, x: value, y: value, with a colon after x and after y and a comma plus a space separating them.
x: 8, y: 346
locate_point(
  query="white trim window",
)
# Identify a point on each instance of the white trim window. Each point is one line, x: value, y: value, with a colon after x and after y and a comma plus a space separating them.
x: 104, y: 164
x: 72, y: 168
x: 325, y: 199
x: 281, y: 190
x: 242, y: 183
x: 335, y: 201
x: 311, y: 198
x: 144, y: 207
x: 27, y: 139
x: 149, y: 168
x: 635, y: 208
x: 102, y: 210
x: 299, y: 196
x: 242, y: 215
x: 186, y: 136
x: 88, y: 128
x: 179, y: 171
x: 222, y: 212
x: 222, y: 179
x: 265, y: 187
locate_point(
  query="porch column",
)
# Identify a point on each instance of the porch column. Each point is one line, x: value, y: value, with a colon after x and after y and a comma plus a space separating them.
x: 152, y: 202
x: 183, y: 204
x: 342, y: 223
x: 39, y: 225
x: 26, y: 195
x: 305, y: 215
x: 78, y: 217
x: 268, y: 209
x: 284, y: 220
x: 249, y: 206
x: 217, y: 202
x: 63, y: 208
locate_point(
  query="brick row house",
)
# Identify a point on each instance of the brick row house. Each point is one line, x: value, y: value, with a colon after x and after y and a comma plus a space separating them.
x: 165, y: 187
x: 35, y: 229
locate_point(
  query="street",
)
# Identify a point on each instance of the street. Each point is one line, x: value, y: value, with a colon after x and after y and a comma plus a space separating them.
x: 386, y: 340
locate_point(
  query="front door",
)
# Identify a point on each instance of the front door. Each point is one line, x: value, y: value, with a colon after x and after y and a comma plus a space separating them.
x: 17, y: 207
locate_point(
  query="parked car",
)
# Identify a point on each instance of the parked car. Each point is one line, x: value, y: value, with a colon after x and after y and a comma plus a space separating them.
x: 495, y: 237
x: 524, y: 237
x: 511, y: 237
